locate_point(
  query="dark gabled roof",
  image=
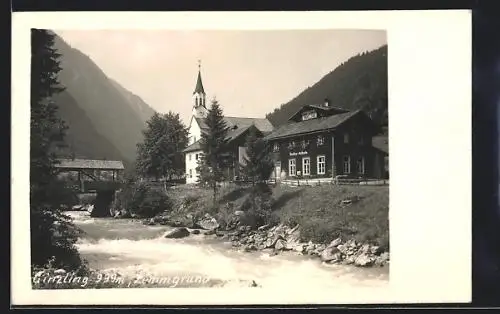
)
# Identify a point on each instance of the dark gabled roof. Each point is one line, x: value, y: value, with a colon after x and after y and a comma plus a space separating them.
x: 193, y: 147
x: 199, y: 85
x: 381, y: 143
x: 310, y: 126
x: 90, y: 164
x: 328, y: 109
x: 231, y: 136
x: 261, y: 124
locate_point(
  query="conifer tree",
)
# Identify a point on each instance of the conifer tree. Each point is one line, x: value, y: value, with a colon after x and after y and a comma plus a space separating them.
x: 52, y: 233
x: 215, y: 157
x: 258, y: 164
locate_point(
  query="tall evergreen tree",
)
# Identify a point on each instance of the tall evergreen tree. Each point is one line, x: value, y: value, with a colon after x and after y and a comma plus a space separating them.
x: 160, y: 155
x: 215, y: 157
x: 258, y: 164
x: 257, y: 167
x: 52, y: 233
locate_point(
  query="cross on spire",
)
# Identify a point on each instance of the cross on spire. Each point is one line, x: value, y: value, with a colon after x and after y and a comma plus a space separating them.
x: 199, y: 85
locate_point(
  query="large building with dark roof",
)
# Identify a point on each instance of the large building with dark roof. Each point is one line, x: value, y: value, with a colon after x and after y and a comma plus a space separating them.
x: 239, y: 128
x: 322, y: 141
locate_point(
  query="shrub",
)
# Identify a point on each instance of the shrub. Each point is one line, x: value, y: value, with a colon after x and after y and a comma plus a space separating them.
x: 141, y: 200
x: 258, y: 204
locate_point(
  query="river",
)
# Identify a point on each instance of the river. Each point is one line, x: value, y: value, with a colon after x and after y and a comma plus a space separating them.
x: 130, y: 248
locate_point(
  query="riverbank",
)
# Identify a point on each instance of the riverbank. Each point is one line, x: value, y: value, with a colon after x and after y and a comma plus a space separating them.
x: 125, y: 253
x: 339, y: 224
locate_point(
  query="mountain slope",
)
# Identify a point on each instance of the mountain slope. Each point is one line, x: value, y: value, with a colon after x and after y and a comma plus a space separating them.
x: 358, y: 83
x: 109, y: 109
x: 82, y: 139
x: 143, y: 110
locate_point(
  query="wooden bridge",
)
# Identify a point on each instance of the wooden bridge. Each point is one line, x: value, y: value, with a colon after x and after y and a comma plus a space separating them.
x: 102, y: 177
x: 92, y: 175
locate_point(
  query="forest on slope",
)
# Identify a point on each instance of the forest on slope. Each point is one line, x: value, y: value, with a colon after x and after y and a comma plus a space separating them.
x: 358, y: 83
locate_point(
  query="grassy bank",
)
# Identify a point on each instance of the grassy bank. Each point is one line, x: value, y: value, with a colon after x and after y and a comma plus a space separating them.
x: 323, y: 212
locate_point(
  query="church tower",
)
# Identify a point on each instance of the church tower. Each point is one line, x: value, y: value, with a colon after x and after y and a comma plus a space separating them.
x: 199, y: 97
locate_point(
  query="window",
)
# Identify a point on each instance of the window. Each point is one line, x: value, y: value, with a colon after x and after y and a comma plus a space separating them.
x: 321, y: 164
x: 292, y: 167
x: 311, y: 114
x: 304, y: 144
x: 346, y: 138
x: 347, y: 164
x: 321, y: 140
x: 291, y: 144
x: 276, y: 147
x: 361, y: 165
x: 190, y: 173
x: 306, y: 166
x: 196, y: 156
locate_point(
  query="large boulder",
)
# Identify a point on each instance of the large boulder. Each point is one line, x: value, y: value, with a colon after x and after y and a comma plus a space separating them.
x: 208, y: 223
x: 271, y: 241
x: 330, y: 254
x: 177, y: 233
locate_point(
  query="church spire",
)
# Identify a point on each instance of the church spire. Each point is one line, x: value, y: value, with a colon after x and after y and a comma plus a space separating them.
x: 199, y: 106
x: 199, y: 84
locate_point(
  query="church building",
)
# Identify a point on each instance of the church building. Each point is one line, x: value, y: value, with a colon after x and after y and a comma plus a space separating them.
x: 239, y: 128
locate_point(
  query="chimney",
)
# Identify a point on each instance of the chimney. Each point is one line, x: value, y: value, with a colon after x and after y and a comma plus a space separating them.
x: 327, y: 102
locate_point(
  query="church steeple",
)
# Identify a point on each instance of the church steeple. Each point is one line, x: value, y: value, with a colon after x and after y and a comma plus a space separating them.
x: 199, y: 84
x: 199, y: 107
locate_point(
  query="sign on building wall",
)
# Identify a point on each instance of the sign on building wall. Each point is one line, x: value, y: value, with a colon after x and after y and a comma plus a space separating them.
x: 298, y: 153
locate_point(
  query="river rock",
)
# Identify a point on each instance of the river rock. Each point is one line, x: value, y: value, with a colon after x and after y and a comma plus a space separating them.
x: 364, y: 260
x: 382, y: 259
x: 77, y: 207
x: 349, y: 260
x: 280, y: 245
x: 299, y: 247
x: 209, y: 232
x: 335, y: 243
x: 196, y: 231
x: 375, y: 250
x: 208, y: 222
x: 365, y: 249
x: 150, y: 222
x: 264, y: 227
x: 271, y: 241
x: 330, y: 254
x: 310, y: 248
x: 249, y: 248
x: 219, y: 234
x: 177, y: 233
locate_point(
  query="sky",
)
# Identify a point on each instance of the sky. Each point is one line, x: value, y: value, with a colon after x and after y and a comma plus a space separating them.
x: 249, y: 72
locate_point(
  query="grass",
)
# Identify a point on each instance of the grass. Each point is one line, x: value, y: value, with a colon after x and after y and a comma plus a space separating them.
x: 317, y: 209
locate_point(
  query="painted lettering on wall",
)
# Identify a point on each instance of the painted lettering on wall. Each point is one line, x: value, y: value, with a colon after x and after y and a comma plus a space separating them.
x: 298, y: 153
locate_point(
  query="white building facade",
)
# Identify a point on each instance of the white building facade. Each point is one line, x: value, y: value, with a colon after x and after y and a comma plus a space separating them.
x: 238, y: 128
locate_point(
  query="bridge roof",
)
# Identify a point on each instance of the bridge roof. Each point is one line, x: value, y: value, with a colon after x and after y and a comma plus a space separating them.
x: 90, y: 164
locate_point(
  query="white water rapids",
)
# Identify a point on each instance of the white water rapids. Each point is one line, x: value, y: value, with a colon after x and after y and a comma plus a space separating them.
x: 131, y: 248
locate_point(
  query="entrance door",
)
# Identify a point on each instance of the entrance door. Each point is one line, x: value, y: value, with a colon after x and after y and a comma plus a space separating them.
x: 277, y: 170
